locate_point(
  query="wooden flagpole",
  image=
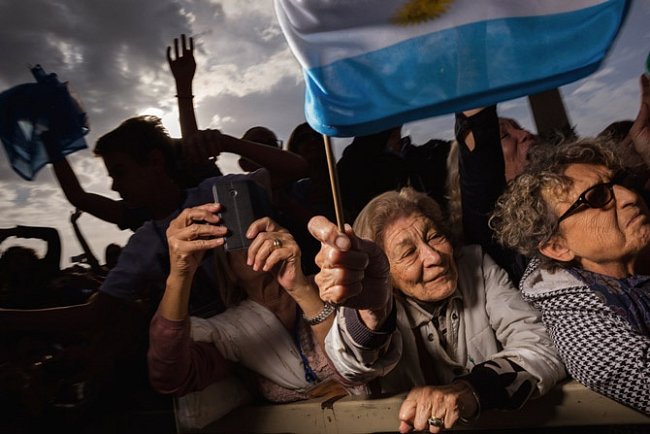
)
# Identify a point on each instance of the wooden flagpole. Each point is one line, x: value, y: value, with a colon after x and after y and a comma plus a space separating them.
x: 334, y: 182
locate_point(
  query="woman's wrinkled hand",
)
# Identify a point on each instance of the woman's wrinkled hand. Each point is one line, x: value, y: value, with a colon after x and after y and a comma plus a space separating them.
x: 189, y: 235
x: 274, y: 250
x: 353, y: 272
x: 444, y: 403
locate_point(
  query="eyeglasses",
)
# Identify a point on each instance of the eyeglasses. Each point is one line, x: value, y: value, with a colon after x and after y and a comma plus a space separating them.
x: 597, y: 196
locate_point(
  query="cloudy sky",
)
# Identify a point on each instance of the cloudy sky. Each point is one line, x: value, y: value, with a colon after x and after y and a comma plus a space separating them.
x: 112, y: 53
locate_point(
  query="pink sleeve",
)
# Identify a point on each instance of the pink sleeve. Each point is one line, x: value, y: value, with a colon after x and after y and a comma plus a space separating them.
x: 178, y: 365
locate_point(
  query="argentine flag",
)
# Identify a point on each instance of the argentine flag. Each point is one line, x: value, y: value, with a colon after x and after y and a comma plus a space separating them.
x: 373, y: 64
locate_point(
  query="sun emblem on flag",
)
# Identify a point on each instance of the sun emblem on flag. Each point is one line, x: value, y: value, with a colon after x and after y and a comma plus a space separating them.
x: 418, y: 11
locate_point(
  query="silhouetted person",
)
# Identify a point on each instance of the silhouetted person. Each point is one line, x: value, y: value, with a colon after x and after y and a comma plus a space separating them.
x: 25, y: 279
x: 111, y: 255
x: 139, y: 157
x: 370, y: 166
x: 261, y: 135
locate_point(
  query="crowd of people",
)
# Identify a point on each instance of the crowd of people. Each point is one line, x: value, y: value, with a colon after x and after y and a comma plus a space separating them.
x: 475, y: 273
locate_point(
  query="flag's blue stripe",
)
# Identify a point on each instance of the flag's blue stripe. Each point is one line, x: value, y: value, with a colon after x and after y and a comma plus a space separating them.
x: 435, y: 74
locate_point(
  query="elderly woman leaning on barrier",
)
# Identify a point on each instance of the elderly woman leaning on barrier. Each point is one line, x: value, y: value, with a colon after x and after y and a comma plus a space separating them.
x: 274, y: 325
x: 469, y: 340
x: 589, y: 233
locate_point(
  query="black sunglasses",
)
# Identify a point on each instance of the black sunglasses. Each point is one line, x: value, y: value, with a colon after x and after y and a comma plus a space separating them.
x: 599, y: 195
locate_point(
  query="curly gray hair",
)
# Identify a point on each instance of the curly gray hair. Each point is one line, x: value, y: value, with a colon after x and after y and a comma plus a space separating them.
x: 523, y: 219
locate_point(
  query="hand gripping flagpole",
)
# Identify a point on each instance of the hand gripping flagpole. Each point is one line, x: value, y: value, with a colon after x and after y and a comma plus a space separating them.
x: 334, y: 182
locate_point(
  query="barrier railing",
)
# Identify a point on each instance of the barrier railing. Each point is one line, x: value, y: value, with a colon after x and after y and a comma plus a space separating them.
x: 569, y: 404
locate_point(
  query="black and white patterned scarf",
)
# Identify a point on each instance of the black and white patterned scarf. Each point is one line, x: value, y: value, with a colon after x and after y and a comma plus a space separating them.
x: 628, y: 297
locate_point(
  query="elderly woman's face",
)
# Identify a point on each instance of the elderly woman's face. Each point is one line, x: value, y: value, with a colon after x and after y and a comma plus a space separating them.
x: 607, y: 238
x: 421, y: 259
x: 515, y: 143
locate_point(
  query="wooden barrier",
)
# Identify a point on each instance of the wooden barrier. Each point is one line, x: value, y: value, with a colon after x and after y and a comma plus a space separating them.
x: 569, y: 404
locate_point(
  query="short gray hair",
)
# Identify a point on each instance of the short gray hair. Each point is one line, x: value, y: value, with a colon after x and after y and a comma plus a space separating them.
x: 386, y: 207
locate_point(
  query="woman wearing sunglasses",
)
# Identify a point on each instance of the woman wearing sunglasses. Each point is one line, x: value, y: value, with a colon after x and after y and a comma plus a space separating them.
x: 589, y: 235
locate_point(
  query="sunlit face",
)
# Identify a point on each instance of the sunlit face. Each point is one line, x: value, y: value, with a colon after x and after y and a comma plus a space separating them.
x: 421, y: 259
x: 608, y: 238
x: 134, y: 182
x: 515, y: 142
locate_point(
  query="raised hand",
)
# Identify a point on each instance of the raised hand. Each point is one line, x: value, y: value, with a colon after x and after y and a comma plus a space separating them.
x: 189, y: 235
x: 182, y: 64
x: 353, y: 272
x: 274, y: 250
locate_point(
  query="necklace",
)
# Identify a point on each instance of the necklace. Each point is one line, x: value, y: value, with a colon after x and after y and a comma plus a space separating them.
x: 310, y: 375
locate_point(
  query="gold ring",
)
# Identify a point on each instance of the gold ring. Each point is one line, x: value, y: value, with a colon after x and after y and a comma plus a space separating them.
x: 277, y: 243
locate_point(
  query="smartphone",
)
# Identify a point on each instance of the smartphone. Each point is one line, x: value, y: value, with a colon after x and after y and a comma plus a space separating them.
x: 237, y: 211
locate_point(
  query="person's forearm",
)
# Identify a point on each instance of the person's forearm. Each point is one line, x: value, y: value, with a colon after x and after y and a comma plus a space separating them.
x: 307, y: 298
x: 101, y: 207
x: 186, y: 114
x: 374, y: 319
x: 283, y: 166
x: 68, y: 181
x: 175, y: 301
x: 177, y: 365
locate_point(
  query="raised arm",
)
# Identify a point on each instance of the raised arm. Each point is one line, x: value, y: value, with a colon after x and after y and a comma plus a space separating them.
x: 102, y: 207
x: 283, y: 166
x: 183, y: 67
x: 189, y: 236
x: 90, y: 257
x: 176, y: 363
x: 482, y: 181
x: 50, y: 235
x: 354, y: 272
x: 640, y: 130
x: 363, y: 343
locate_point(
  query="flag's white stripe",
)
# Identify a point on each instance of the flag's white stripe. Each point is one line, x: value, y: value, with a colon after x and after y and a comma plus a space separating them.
x: 321, y: 32
x: 497, y: 60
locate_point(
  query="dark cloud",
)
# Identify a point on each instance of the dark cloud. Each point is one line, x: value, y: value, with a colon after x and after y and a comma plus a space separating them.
x: 111, y: 52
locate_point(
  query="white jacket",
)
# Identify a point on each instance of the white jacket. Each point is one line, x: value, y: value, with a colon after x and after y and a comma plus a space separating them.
x: 486, y: 319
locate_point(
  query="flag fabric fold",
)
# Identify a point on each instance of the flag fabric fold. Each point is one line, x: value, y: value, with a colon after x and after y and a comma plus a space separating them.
x: 373, y: 64
x: 27, y: 110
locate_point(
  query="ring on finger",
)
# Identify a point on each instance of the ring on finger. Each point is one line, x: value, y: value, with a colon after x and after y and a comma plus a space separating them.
x: 436, y: 422
x: 277, y: 243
